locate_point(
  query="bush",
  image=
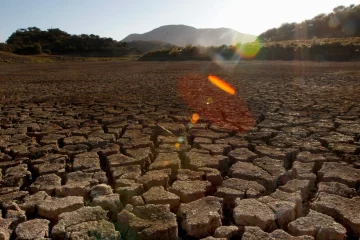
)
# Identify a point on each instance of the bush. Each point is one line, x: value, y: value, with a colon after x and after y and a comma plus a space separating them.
x: 6, y: 47
x: 47, y: 51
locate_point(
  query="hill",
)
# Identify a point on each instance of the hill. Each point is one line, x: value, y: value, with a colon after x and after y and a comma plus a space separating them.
x: 182, y: 35
x: 343, y: 22
x: 33, y: 40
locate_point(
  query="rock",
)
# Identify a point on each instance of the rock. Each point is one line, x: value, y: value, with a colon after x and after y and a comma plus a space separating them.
x: 212, y: 175
x: 52, y: 163
x: 251, y: 212
x: 202, y: 217
x: 79, y: 183
x: 274, y: 168
x: 31, y: 201
x: 200, y: 140
x: 51, y: 139
x: 228, y: 232
x: 109, y: 202
x: 298, y: 185
x: 126, y: 172
x: 107, y: 150
x: 128, y: 188
x: 233, y: 188
x: 285, y: 211
x: 269, y: 178
x: 155, y: 178
x: 137, y: 201
x: 101, y: 229
x: 307, y: 157
x: 74, y: 140
x: 186, y: 174
x: 174, y: 129
x: 47, y: 183
x: 212, y: 238
x: 336, y: 188
x: 197, y: 160
x: 33, y: 229
x: 87, y: 162
x: 144, y: 155
x: 274, y: 153
x: 216, y: 149
x: 16, y: 215
x: 235, y: 142
x: 282, y: 235
x: 318, y: 225
x: 72, y: 150
x: 7, y: 200
x: 255, y: 233
x: 100, y: 190
x: 68, y: 219
x: 149, y: 222
x: 189, y: 191
x: 304, y: 171
x: 16, y: 176
x: 343, y: 210
x: 158, y: 195
x: 340, y: 172
x: 242, y: 154
x: 208, y: 134
x: 117, y: 160
x: 344, y: 148
x: 166, y: 160
x: 290, y: 197
x: 5, y: 228
x: 52, y: 208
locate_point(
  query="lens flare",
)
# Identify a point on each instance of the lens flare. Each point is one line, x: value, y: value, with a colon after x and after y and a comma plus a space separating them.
x: 224, y: 110
x: 221, y: 84
x: 248, y: 50
x: 194, y: 118
x: 209, y: 100
x: 177, y: 145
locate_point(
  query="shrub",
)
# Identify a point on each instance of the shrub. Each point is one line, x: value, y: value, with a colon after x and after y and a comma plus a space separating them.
x: 47, y: 51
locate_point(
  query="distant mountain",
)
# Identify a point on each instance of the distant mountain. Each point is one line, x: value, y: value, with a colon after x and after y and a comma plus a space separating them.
x: 182, y: 35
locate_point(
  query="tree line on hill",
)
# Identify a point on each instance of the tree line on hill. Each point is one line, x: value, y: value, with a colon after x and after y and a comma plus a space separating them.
x: 341, y: 23
x: 335, y: 49
x: 32, y: 40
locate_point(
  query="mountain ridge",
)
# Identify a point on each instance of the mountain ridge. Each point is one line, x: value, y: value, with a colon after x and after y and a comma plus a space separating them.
x: 181, y: 35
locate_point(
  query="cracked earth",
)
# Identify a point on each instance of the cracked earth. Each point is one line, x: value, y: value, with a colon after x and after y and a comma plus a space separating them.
x: 109, y: 151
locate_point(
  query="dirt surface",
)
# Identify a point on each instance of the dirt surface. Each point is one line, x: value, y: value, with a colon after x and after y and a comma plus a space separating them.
x: 114, y: 151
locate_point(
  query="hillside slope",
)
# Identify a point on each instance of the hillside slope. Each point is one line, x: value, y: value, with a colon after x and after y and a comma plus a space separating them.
x: 182, y: 35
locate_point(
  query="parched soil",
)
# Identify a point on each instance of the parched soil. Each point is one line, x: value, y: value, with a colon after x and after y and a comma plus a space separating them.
x: 113, y: 150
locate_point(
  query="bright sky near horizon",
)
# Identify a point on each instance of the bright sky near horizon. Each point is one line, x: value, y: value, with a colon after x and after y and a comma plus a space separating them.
x: 119, y: 18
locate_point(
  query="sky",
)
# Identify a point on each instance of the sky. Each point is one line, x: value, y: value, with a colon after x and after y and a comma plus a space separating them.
x: 119, y: 18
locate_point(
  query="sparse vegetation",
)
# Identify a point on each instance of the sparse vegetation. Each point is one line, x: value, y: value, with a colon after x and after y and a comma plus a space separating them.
x: 32, y: 40
x: 335, y: 49
x: 341, y: 23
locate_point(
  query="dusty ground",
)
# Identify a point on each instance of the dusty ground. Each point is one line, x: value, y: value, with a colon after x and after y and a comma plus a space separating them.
x: 99, y: 150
